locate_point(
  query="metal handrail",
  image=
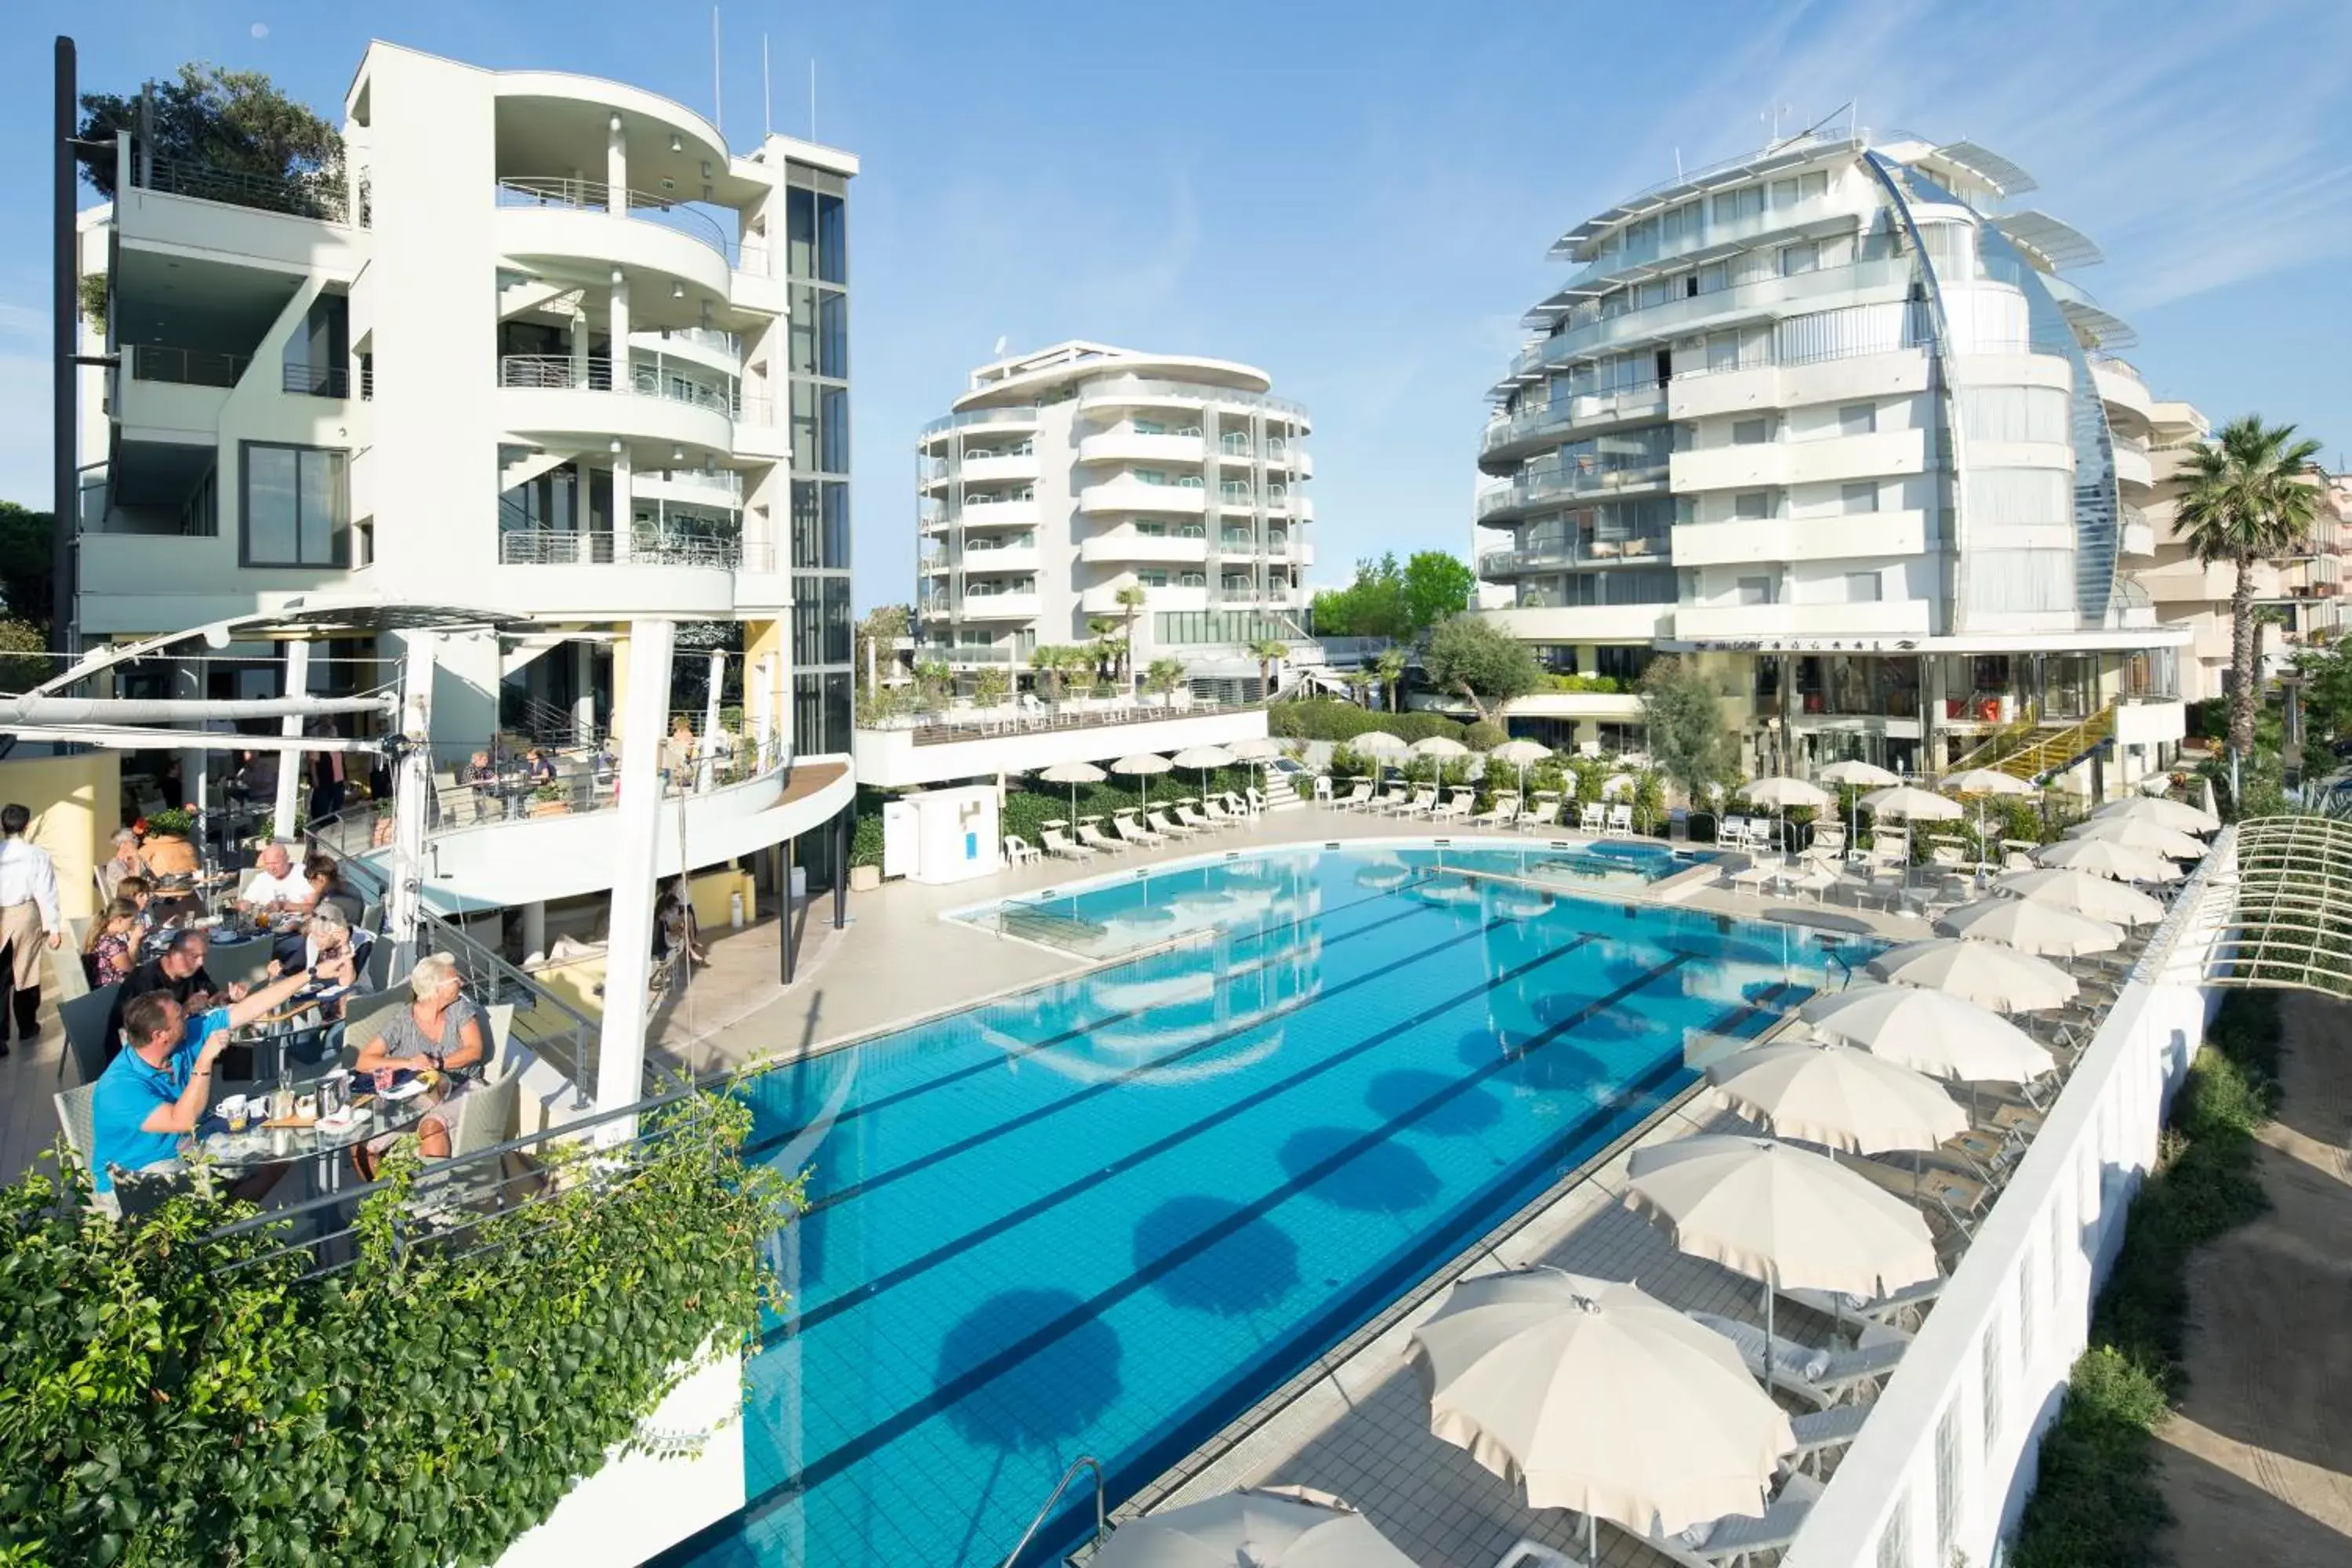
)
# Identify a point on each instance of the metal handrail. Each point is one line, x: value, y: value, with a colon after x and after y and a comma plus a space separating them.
x: 1102, y: 1518
x: 317, y: 380
x: 318, y: 193
x: 596, y: 195
x: 184, y: 367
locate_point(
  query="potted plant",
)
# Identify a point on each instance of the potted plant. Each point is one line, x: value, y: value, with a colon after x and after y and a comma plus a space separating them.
x: 547, y: 800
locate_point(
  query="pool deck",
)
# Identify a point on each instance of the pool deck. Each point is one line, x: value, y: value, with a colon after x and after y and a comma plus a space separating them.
x: 897, y: 962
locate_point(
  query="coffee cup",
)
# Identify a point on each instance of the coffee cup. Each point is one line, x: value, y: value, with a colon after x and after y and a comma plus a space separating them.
x: 235, y: 1112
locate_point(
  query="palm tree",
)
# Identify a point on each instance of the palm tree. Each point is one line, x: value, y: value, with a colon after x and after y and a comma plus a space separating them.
x: 1050, y: 661
x: 1269, y: 652
x: 1391, y: 666
x: 1106, y: 652
x: 1131, y: 604
x: 1163, y: 676
x: 2248, y: 497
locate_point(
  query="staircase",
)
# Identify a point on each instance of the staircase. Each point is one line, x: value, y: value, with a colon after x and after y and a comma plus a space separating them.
x: 1279, y: 795
x: 2052, y: 755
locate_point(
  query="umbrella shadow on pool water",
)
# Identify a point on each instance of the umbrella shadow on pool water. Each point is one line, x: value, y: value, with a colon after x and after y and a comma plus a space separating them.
x: 1038, y: 1403
x: 1394, y: 1096
x: 1250, y: 1265
x: 1557, y: 1067
x: 1385, y: 1178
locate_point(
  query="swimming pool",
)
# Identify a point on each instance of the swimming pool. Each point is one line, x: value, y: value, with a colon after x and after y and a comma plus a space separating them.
x: 1108, y: 1214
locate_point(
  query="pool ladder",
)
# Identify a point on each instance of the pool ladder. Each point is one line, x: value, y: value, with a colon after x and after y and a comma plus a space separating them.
x: 1083, y: 1462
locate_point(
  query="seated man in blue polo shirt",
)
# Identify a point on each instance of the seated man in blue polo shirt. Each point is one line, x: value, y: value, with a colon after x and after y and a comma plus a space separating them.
x: 154, y: 1092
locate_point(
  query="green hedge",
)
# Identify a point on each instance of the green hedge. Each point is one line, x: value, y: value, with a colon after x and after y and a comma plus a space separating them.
x: 1029, y: 808
x: 2095, y: 1503
x: 1329, y: 718
x: 422, y: 1409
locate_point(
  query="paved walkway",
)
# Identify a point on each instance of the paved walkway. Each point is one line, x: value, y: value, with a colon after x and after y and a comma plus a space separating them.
x: 2258, y: 1462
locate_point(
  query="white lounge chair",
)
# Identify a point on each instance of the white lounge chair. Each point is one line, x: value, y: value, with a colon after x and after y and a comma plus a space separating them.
x: 1359, y: 797
x: 1423, y: 802
x: 1135, y: 832
x: 1019, y: 850
x: 1057, y: 844
x: 1593, y: 819
x: 1737, y: 1538
x: 1533, y: 1553
x: 1820, y: 1377
x: 1889, y: 1310
x: 1502, y: 813
x: 1196, y: 822
x: 1161, y: 823
x: 1543, y: 814
x: 1821, y: 1432
x: 1216, y: 810
x: 1621, y: 822
x: 1456, y: 807
x: 1094, y: 837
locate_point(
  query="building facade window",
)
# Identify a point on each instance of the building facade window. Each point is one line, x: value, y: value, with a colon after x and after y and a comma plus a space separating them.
x: 296, y: 506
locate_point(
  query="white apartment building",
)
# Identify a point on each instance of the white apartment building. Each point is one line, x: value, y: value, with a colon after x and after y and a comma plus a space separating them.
x: 1830, y: 417
x: 1064, y: 478
x: 543, y: 344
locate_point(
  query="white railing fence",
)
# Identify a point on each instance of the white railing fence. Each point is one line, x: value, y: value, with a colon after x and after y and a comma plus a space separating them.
x: 1947, y: 1458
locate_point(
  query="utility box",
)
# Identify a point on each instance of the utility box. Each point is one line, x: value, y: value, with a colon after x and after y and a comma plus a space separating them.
x: 943, y: 834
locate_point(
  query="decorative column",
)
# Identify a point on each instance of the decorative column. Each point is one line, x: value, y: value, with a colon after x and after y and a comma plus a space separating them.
x: 624, y: 515
x: 628, y: 953
x: 704, y: 775
x: 617, y: 169
x: 290, y: 763
x: 534, y: 929
x: 411, y: 793
x: 583, y: 693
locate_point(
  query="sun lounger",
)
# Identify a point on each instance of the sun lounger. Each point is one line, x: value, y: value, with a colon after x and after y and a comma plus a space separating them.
x: 1456, y: 809
x: 1423, y: 802
x: 1094, y: 837
x: 1823, y: 1432
x: 1885, y: 1310
x: 1359, y: 797
x: 1505, y: 812
x: 1056, y: 843
x: 1544, y: 814
x: 1134, y: 832
x: 1737, y: 1538
x: 1534, y: 1553
x: 1162, y: 823
x: 1196, y: 822
x: 1820, y: 1377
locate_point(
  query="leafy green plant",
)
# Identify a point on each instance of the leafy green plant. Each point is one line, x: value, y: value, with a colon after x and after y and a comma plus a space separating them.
x: 1480, y: 662
x: 2095, y: 1504
x: 177, y: 821
x: 1328, y: 719
x: 1483, y: 735
x: 236, y: 122
x: 866, y: 840
x: 175, y: 1397
x: 1693, y: 746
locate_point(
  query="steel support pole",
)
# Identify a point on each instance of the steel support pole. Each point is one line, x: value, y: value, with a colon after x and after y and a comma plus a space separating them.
x: 629, y: 946
x: 64, y: 305
x: 412, y: 797
x: 290, y: 763
x: 786, y: 940
x: 844, y: 832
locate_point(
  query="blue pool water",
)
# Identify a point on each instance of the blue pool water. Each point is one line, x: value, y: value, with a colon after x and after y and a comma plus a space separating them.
x: 1108, y: 1214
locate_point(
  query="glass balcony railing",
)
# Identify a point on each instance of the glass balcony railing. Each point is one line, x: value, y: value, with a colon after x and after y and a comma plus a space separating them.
x: 1757, y: 295
x: 1535, y: 485
x: 1125, y: 387
x: 1023, y: 417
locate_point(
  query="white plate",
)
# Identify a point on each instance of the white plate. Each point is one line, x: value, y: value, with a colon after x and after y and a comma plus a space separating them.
x: 340, y: 1122
x: 408, y: 1091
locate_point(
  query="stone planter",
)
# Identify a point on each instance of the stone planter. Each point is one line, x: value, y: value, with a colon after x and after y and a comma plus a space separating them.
x: 865, y: 879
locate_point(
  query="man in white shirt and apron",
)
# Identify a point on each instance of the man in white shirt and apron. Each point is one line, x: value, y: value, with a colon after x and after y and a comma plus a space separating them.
x: 28, y: 914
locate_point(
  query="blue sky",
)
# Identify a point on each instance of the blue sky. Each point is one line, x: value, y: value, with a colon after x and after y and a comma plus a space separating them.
x: 1356, y: 196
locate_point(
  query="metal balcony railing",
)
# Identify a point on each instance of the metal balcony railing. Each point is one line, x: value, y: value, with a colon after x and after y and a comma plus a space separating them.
x: 667, y: 212
x: 558, y: 372
x: 318, y: 193
x: 318, y: 380
x: 185, y: 367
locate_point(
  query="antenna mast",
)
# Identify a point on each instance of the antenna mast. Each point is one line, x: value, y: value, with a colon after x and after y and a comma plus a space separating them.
x: 718, y: 98
x: 767, y: 98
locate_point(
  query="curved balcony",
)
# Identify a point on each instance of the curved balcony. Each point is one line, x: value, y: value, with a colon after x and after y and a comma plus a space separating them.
x: 706, y: 346
x: 1143, y: 392
x: 1124, y: 445
x: 1555, y: 555
x: 1536, y: 488
x: 978, y: 560
x: 1127, y: 495
x: 1532, y: 428
x: 569, y: 220
x: 721, y: 490
x: 1123, y: 545
x: 1010, y: 469
x: 999, y: 513
x: 546, y: 395
x: 2133, y: 467
x: 979, y: 606
x: 1023, y: 417
x: 544, y: 571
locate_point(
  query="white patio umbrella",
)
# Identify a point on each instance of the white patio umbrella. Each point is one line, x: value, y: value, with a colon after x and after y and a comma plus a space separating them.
x: 1985, y: 781
x: 1256, y: 1527
x: 2081, y: 893
x: 2032, y: 927
x: 1861, y: 774
x: 1519, y: 754
x: 2105, y: 857
x: 1204, y: 758
x: 1931, y: 1032
x: 1599, y: 1398
x: 1616, y: 784
x: 2139, y: 834
x: 1141, y: 766
x: 1439, y: 746
x: 1984, y: 973
x: 1782, y: 1216
x: 1377, y: 743
x: 1779, y: 793
x: 1074, y: 774
x: 2179, y: 816
x: 1913, y: 804
x: 1257, y: 749
x: 1836, y: 1096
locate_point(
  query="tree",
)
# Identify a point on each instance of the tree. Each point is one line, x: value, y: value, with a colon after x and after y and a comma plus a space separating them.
x: 2248, y: 497
x: 1374, y: 605
x: 876, y: 650
x: 934, y: 683
x: 1163, y: 676
x: 28, y: 564
x: 1057, y: 661
x: 991, y: 687
x: 2327, y: 691
x: 1269, y: 652
x: 1482, y: 662
x: 1435, y: 586
x: 23, y: 656
x: 1391, y: 668
x: 1131, y: 604
x: 1104, y: 629
x: 237, y: 122
x: 1688, y: 740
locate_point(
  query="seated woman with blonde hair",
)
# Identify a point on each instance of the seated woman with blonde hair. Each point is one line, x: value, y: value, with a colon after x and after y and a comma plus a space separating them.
x: 442, y: 1029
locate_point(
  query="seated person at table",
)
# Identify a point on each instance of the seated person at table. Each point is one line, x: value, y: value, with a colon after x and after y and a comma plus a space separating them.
x: 441, y: 1028
x: 127, y: 862
x: 332, y: 950
x: 478, y: 772
x: 541, y: 768
x: 155, y: 1091
x: 180, y: 971
x: 328, y: 890
x: 276, y: 888
x: 112, y: 950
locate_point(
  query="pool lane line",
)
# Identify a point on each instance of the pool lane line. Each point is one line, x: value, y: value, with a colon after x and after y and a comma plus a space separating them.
x: 998, y: 1058
x: 1174, y: 1139
x: 818, y: 1472
x: 1037, y: 1114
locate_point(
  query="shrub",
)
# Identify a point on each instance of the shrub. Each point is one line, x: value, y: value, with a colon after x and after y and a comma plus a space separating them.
x: 866, y: 840
x: 1329, y: 718
x: 1483, y: 735
x: 2095, y: 1503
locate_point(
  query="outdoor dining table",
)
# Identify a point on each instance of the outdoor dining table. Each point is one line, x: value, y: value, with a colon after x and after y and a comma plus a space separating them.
x: 241, y: 1154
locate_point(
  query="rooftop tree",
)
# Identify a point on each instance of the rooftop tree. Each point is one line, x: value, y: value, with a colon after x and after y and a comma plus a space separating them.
x: 1483, y: 663
x: 236, y: 122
